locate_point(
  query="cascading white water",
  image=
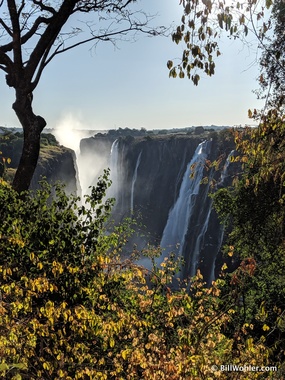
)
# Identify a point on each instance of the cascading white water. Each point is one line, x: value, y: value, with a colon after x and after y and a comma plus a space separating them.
x: 199, y: 243
x: 174, y: 234
x: 212, y: 275
x: 134, y: 180
x: 114, y: 159
x: 225, y: 168
x: 224, y: 175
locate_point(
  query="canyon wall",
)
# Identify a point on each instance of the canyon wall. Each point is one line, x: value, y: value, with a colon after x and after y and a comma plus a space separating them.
x: 56, y: 162
x: 164, y: 182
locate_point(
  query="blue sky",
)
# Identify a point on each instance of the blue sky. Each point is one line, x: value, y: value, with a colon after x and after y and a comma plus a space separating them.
x: 129, y: 86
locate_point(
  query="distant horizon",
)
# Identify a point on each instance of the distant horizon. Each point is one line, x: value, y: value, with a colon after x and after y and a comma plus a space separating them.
x: 138, y: 128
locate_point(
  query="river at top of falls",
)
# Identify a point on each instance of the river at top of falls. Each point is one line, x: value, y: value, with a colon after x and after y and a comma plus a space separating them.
x: 174, y: 234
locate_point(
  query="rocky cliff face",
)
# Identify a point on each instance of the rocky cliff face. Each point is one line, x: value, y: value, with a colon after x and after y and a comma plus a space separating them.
x: 151, y: 181
x: 56, y: 163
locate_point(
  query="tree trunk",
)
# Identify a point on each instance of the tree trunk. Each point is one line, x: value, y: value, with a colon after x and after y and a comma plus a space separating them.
x: 32, y: 127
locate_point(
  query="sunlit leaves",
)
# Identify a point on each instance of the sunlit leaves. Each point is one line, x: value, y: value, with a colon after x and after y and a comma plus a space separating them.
x: 72, y: 308
x: 169, y: 64
x: 201, y: 25
x: 263, y: 146
x: 254, y: 208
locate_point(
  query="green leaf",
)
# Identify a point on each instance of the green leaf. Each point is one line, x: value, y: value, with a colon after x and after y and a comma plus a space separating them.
x: 169, y: 64
x: 196, y: 79
x: 172, y: 73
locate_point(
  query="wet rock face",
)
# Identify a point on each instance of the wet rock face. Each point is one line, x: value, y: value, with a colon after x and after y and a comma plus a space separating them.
x: 148, y: 175
x: 58, y: 164
x: 159, y: 175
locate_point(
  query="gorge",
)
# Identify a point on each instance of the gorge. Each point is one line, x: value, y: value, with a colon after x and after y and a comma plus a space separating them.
x: 164, y: 181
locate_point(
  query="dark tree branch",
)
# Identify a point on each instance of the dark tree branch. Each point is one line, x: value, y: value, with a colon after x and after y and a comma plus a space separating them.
x: 16, y: 34
x: 31, y: 32
x: 21, y: 8
x: 44, y: 7
x: 49, y: 36
x: 3, y: 68
x: 5, y: 60
x: 101, y: 5
x: 42, y: 65
x: 5, y: 26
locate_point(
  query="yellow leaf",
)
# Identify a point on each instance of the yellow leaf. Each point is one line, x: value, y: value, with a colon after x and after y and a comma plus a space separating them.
x: 46, y: 365
x: 124, y: 354
x: 112, y: 342
x: 249, y: 343
x: 61, y: 373
x: 4, y: 367
x: 224, y: 267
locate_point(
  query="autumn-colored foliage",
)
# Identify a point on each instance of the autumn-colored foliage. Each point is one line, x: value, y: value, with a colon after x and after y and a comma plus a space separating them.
x: 254, y: 211
x: 72, y: 308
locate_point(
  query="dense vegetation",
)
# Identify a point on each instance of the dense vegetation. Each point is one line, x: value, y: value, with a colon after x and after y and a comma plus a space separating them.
x: 255, y: 210
x: 254, y: 206
x: 72, y: 308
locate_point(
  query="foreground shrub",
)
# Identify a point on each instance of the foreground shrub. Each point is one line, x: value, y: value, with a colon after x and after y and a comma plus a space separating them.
x: 71, y: 308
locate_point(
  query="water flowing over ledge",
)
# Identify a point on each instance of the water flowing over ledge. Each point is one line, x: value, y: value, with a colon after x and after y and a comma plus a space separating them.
x: 152, y: 181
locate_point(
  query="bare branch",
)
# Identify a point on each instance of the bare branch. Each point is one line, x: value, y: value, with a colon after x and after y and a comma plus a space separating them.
x: 107, y: 36
x: 31, y: 32
x: 5, y: 26
x: 49, y: 36
x: 5, y: 62
x: 3, y: 68
x: 41, y: 67
x: 16, y: 34
x: 21, y: 8
x: 44, y: 7
x: 101, y: 5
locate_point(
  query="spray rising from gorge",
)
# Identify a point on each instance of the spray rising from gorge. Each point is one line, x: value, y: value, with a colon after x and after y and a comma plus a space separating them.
x: 151, y: 179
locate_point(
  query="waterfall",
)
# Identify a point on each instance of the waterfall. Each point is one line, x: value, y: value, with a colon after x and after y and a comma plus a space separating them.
x: 224, y: 173
x: 221, y: 233
x: 174, y: 234
x: 114, y: 159
x: 134, y: 180
x: 212, y: 275
x: 194, y: 260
